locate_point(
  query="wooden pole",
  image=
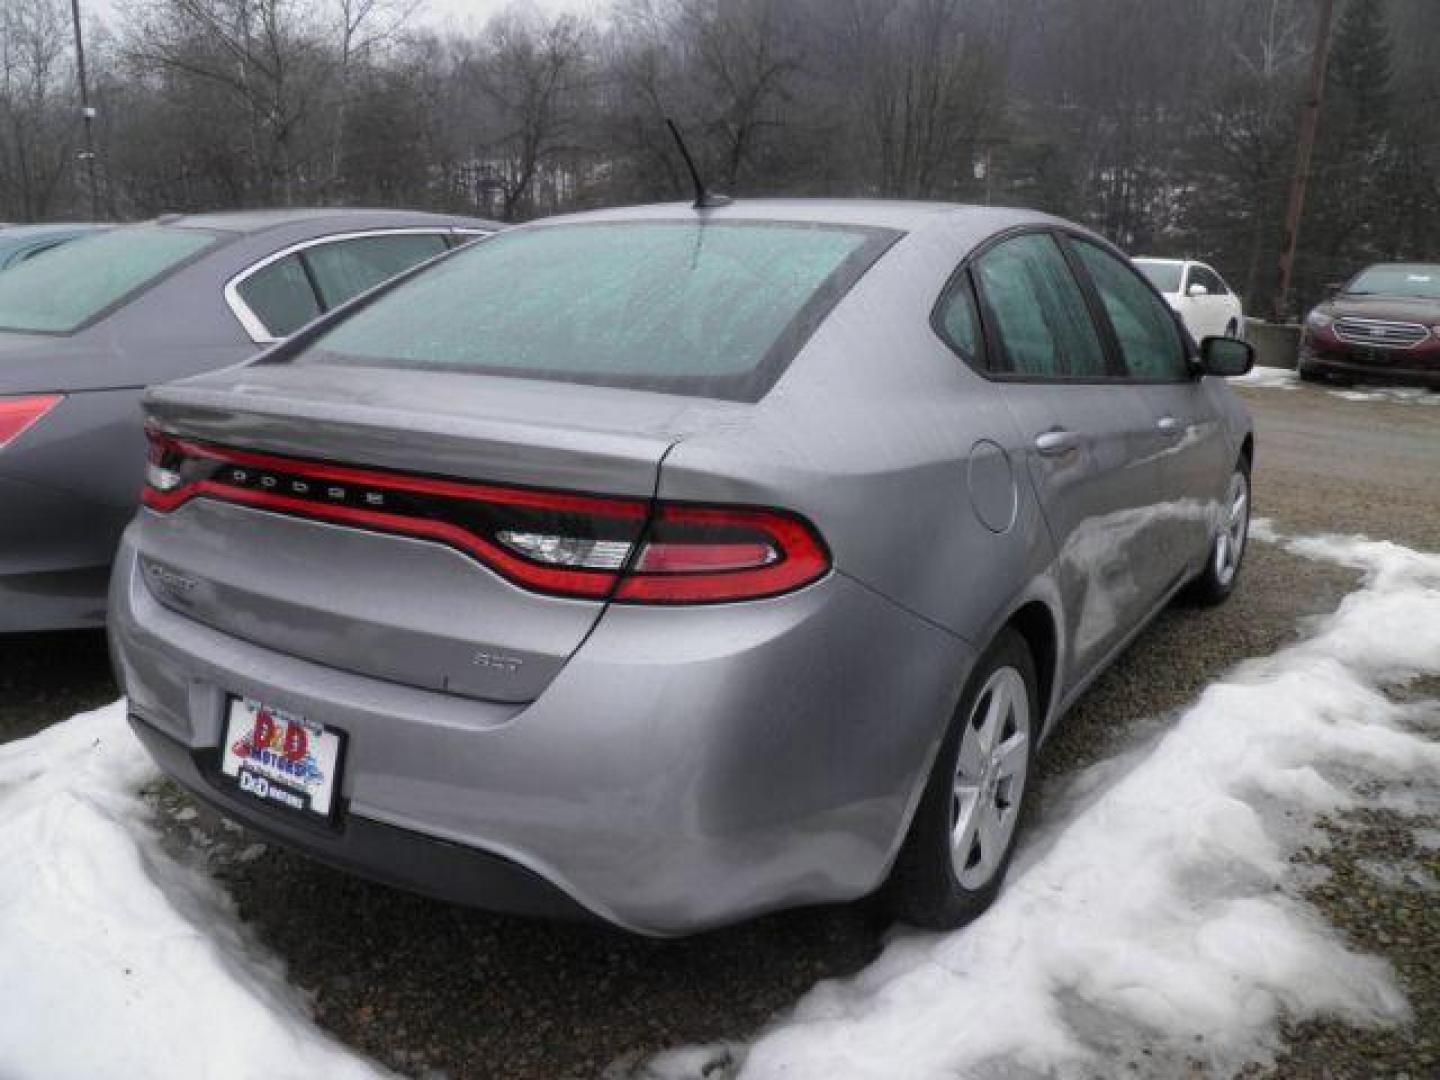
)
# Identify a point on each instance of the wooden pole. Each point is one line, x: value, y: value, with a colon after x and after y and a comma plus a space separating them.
x: 87, y: 114
x: 1309, y: 128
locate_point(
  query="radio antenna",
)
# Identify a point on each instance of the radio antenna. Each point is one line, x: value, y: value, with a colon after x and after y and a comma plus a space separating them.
x: 705, y: 199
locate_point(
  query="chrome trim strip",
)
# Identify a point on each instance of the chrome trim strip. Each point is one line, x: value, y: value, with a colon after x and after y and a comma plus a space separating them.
x: 1388, y: 333
x: 258, y: 332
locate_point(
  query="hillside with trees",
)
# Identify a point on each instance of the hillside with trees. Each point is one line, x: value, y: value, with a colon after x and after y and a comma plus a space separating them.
x: 1169, y: 125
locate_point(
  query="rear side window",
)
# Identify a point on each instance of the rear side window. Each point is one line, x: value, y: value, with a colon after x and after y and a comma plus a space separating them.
x: 1149, y: 336
x: 704, y: 308
x: 281, y: 296
x: 347, y: 268
x: 1164, y: 276
x: 61, y: 289
x: 1038, y: 311
x: 956, y: 319
x: 1201, y: 275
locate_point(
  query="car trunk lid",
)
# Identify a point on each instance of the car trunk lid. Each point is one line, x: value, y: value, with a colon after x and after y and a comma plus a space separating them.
x: 328, y: 583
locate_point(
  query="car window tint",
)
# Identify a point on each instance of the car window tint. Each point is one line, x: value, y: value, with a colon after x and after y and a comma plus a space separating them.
x: 1150, y: 341
x: 1165, y: 276
x: 708, y: 308
x: 281, y: 296
x: 346, y: 268
x: 958, y: 324
x: 1414, y: 282
x: 59, y: 289
x: 1038, y: 310
x: 1200, y: 275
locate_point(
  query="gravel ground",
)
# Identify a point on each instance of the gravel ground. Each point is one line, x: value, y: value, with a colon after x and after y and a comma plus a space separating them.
x: 47, y: 677
x: 428, y: 988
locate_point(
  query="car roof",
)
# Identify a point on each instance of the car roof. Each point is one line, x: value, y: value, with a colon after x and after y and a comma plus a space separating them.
x: 904, y: 215
x: 338, y: 218
x: 42, y: 230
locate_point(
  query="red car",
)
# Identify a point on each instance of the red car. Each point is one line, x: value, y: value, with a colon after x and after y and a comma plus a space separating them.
x: 1384, y: 326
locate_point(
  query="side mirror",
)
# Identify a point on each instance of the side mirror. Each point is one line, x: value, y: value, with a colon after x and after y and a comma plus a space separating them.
x: 1333, y: 287
x: 1226, y: 357
x: 1197, y: 290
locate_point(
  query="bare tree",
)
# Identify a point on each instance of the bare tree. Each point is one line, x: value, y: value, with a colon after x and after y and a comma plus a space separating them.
x: 364, y: 26
x: 532, y: 75
x: 266, y: 56
x: 746, y: 62
x: 37, y: 122
x: 923, y: 81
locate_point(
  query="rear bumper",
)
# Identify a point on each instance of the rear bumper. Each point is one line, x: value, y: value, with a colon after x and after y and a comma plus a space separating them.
x: 372, y: 849
x: 686, y: 768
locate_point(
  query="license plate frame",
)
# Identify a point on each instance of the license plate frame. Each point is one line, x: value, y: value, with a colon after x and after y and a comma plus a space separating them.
x: 296, y: 773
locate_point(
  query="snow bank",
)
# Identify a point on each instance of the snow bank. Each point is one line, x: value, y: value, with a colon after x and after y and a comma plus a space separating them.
x: 114, y: 959
x: 1149, y: 925
x: 1407, y: 395
x: 1268, y: 378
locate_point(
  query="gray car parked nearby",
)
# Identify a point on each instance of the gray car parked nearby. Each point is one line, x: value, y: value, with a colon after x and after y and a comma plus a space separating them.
x: 675, y: 565
x: 85, y: 327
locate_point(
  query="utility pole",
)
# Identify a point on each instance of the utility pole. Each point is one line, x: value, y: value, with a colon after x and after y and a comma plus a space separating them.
x: 1309, y: 127
x: 87, y: 113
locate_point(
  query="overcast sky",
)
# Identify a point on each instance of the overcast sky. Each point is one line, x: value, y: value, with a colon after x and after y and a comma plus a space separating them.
x: 437, y: 13
x: 465, y: 12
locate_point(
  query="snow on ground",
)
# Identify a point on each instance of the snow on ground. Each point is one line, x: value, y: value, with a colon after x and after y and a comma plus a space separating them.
x: 1407, y: 395
x: 1152, y: 924
x: 1263, y: 529
x: 114, y: 959
x: 1268, y: 378
x: 1148, y: 923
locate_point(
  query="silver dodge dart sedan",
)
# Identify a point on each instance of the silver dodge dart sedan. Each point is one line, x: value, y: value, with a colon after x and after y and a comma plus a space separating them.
x: 673, y: 565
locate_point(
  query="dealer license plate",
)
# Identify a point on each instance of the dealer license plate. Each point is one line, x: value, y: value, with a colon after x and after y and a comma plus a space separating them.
x: 280, y: 758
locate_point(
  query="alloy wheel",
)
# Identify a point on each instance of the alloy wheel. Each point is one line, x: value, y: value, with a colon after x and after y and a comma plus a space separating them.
x: 990, y: 775
x: 1234, y: 529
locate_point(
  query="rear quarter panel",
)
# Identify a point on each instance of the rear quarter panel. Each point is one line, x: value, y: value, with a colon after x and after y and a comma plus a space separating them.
x: 881, y: 436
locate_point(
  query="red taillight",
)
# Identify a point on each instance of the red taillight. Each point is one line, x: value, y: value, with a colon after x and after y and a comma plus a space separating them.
x: 701, y: 554
x: 17, y: 415
x: 553, y: 542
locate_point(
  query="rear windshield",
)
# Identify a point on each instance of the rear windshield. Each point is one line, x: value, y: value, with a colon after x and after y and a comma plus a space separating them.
x: 1410, y: 282
x: 59, y: 290
x: 708, y: 309
x: 1164, y: 276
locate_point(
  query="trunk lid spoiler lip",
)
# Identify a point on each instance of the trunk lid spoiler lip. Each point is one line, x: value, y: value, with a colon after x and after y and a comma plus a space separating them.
x: 481, y: 446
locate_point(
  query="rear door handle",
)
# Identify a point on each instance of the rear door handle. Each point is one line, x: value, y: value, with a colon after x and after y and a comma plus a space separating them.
x: 1169, y: 425
x: 1055, y: 442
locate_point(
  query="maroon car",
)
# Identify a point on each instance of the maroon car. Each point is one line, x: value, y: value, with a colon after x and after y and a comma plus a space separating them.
x: 1384, y: 326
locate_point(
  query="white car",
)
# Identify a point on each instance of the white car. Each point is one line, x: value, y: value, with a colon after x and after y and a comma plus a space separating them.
x: 1207, y: 306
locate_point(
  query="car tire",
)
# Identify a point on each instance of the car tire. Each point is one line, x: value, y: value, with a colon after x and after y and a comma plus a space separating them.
x: 955, y: 856
x: 1217, y: 581
x: 1307, y: 373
